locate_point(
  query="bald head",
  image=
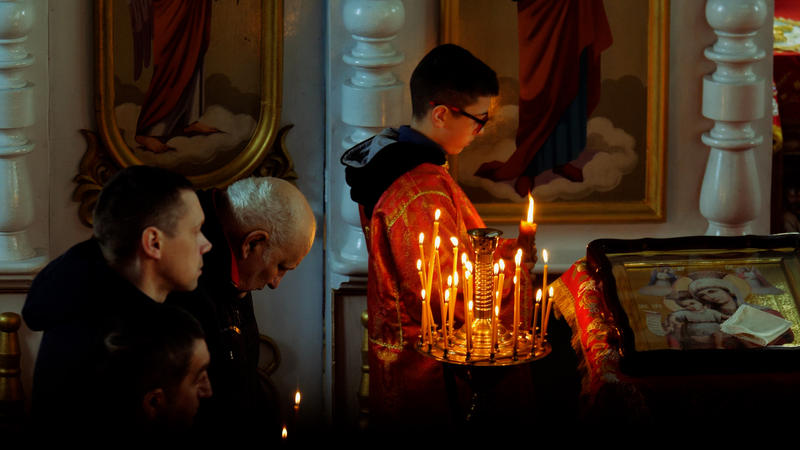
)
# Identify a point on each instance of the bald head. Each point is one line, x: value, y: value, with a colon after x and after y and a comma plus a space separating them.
x: 272, y: 227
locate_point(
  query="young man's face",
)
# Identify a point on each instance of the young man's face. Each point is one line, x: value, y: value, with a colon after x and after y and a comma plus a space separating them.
x: 183, y: 402
x: 182, y: 259
x: 459, y: 129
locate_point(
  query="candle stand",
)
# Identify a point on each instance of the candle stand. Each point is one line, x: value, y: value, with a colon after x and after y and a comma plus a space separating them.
x: 484, y: 342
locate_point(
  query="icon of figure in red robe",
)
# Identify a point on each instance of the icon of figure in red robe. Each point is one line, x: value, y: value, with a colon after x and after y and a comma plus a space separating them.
x: 560, y: 43
x: 179, y: 31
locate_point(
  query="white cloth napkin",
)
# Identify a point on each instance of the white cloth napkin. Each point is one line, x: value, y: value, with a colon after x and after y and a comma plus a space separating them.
x: 754, y: 325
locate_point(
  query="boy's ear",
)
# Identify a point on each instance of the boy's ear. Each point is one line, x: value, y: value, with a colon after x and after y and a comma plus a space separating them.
x: 151, y: 242
x: 438, y: 116
x: 153, y: 403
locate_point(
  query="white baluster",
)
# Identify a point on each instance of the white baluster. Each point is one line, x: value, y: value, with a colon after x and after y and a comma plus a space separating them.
x: 16, y: 114
x: 371, y: 99
x: 733, y: 96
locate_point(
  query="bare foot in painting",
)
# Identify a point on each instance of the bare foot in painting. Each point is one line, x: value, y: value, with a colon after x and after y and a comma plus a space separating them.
x: 152, y: 144
x: 569, y: 172
x: 196, y: 128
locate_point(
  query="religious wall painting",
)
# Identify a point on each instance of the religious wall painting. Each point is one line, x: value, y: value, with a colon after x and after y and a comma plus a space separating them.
x: 700, y: 294
x: 615, y: 169
x: 190, y: 85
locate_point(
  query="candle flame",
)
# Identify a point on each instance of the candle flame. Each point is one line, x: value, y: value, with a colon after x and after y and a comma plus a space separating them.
x: 454, y: 241
x: 419, y: 264
x: 437, y: 242
x: 423, y: 294
x: 502, y: 264
x: 518, y: 257
x: 421, y: 238
x: 469, y: 305
x: 530, y: 208
x: 449, y: 281
x: 464, y: 258
x: 284, y: 433
x: 469, y: 266
x: 455, y: 280
x: 297, y: 398
x: 550, y: 293
x: 545, y: 256
x: 496, y: 268
x: 497, y: 311
x: 446, y: 296
x: 437, y: 214
x: 515, y: 279
x: 538, y: 295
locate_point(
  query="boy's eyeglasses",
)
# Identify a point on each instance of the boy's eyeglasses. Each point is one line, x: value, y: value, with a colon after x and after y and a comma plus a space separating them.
x: 481, y: 122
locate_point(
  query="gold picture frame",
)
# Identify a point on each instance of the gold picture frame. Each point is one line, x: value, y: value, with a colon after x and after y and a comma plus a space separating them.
x: 247, y: 28
x: 656, y: 291
x: 482, y: 28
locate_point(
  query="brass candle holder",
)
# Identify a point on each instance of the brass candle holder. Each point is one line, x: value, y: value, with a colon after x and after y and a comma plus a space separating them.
x: 484, y: 340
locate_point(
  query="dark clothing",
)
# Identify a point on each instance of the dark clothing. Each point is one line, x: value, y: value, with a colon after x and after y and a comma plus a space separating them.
x: 76, y: 301
x: 374, y: 164
x: 240, y: 406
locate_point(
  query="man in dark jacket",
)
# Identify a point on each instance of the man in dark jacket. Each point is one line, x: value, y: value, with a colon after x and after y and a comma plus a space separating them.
x: 260, y: 229
x: 147, y: 242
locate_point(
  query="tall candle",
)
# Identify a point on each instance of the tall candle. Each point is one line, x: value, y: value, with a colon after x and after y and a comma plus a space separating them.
x: 436, y: 216
x: 422, y: 256
x: 420, y: 273
x: 500, y: 281
x: 454, y: 296
x: 436, y: 244
x: 545, y: 257
x: 517, y: 281
x: 496, y: 271
x: 424, y: 319
x: 547, y: 315
x: 535, y: 319
x: 469, y: 326
x: 495, y: 319
x: 454, y: 241
x: 445, y: 308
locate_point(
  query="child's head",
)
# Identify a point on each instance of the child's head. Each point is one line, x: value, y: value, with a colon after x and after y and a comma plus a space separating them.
x: 457, y: 86
x: 691, y: 304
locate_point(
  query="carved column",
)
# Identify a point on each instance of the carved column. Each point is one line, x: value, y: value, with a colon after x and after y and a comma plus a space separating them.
x: 734, y: 97
x: 16, y: 114
x: 371, y: 97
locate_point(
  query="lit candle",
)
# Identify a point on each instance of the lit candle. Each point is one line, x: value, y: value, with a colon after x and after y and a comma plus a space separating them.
x: 527, y: 228
x: 454, y: 241
x: 284, y: 433
x: 445, y: 308
x: 449, y: 295
x: 494, y: 327
x: 424, y: 319
x: 546, y: 317
x: 452, y: 311
x: 422, y: 257
x: 297, y: 400
x: 517, y: 281
x: 436, y: 244
x: 421, y: 273
x: 495, y: 270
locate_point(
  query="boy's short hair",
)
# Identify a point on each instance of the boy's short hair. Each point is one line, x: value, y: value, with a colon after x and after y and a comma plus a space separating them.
x: 450, y: 75
x: 135, y: 198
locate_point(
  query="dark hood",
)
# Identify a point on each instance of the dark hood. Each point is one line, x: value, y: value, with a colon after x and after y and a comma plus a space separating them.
x: 373, y: 165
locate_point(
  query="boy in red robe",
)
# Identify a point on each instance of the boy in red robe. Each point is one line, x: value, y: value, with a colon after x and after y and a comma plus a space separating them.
x: 399, y: 178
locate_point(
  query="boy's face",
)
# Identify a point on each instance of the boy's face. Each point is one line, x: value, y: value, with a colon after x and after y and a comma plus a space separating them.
x: 458, y: 130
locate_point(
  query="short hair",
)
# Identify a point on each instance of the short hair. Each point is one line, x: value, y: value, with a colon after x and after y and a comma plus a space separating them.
x: 270, y: 204
x: 450, y: 75
x: 135, y: 198
x: 150, y: 352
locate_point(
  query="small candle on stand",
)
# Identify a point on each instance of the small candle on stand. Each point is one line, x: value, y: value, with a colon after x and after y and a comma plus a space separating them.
x: 535, y: 319
x: 546, y: 317
x: 517, y: 281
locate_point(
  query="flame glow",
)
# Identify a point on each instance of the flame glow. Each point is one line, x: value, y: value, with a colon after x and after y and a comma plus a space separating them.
x: 446, y: 296
x: 297, y: 398
x: 545, y: 255
x: 284, y: 433
x: 449, y: 281
x: 469, y: 305
x: 437, y: 242
x: 530, y: 208
x: 419, y: 264
x: 464, y: 258
x: 502, y: 264
x: 421, y: 238
x: 437, y: 214
x: 496, y: 268
x: 423, y: 294
x: 550, y: 294
x: 454, y: 241
x: 538, y: 295
x: 518, y: 257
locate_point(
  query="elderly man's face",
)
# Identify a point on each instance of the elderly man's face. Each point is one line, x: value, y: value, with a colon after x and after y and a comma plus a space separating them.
x: 267, y: 266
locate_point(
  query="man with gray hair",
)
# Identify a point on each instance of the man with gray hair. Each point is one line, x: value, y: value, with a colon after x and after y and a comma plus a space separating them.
x: 260, y: 228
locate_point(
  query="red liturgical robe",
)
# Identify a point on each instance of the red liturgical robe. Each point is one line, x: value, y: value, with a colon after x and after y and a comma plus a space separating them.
x: 406, y: 386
